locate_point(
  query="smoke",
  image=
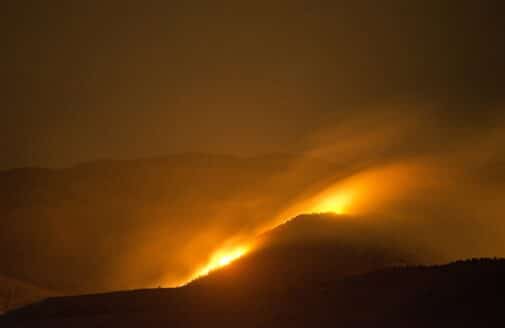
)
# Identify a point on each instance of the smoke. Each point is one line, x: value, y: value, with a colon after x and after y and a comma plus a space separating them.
x: 432, y: 182
x: 392, y: 111
x: 433, y: 188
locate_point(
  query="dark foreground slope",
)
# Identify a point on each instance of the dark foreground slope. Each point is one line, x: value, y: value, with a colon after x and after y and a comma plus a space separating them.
x: 463, y: 294
x: 15, y: 294
x: 313, y: 271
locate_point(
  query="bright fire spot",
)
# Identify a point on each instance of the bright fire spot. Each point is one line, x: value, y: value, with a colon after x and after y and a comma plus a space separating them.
x: 337, y: 203
x: 221, y: 259
x: 362, y: 193
x: 227, y: 259
x: 366, y: 191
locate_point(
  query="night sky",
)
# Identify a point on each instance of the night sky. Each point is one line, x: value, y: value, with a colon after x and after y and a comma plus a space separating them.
x: 124, y: 79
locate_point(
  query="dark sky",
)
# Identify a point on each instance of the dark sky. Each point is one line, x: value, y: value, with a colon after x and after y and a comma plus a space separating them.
x: 127, y: 79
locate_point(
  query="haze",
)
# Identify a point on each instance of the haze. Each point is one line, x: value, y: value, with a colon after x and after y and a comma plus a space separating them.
x: 174, y: 135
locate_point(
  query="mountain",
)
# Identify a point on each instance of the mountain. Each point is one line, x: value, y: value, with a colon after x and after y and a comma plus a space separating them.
x: 318, y: 270
x: 313, y: 247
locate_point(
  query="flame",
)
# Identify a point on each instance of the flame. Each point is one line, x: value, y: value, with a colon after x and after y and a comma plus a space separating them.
x: 361, y: 193
x: 369, y: 190
x: 222, y: 258
x: 357, y: 194
x: 329, y: 201
x: 338, y: 202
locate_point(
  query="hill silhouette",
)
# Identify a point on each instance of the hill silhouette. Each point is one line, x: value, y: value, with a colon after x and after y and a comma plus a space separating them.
x: 301, y: 275
x: 313, y: 247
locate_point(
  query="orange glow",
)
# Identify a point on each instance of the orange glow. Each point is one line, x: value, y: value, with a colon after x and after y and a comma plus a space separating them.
x: 337, y: 203
x: 220, y: 259
x: 366, y: 192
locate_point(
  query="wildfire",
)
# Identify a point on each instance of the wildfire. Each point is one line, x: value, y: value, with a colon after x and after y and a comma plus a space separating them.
x: 337, y: 203
x: 357, y: 194
x: 222, y: 258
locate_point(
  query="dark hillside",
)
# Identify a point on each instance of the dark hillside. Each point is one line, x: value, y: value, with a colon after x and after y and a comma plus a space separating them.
x: 462, y: 294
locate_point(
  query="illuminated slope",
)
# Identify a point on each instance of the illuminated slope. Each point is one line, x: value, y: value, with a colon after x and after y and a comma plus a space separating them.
x: 312, y: 247
x: 363, y: 192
